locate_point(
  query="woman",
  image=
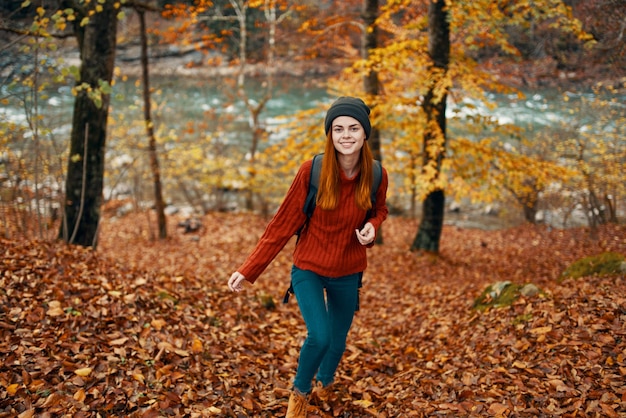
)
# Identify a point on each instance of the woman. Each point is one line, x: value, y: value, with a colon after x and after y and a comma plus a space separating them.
x: 330, y: 255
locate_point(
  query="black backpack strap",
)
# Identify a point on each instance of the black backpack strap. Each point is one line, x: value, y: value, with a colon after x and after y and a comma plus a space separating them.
x: 378, y: 175
x: 314, y: 182
x: 358, y: 294
x: 288, y: 293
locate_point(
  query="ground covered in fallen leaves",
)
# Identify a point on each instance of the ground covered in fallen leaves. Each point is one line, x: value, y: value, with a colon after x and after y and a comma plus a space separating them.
x: 141, y: 328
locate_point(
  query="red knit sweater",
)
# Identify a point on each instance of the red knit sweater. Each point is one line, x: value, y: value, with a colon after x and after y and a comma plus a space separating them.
x: 328, y: 245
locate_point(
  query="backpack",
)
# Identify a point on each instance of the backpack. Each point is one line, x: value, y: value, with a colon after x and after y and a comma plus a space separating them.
x: 309, y: 202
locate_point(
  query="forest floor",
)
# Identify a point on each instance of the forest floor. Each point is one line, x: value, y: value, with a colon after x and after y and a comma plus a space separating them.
x: 145, y: 328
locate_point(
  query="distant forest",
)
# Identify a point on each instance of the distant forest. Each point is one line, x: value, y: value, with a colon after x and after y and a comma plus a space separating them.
x: 541, y: 48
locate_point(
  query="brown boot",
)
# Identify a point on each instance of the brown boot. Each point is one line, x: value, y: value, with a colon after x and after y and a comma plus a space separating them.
x: 323, y: 393
x: 297, y: 405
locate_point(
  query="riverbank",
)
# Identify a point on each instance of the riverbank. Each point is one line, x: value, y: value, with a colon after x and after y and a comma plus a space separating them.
x: 544, y: 73
x: 189, y: 62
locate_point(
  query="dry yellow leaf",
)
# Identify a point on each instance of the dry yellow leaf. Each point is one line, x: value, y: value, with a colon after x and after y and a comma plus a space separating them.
x: 80, y: 395
x: 12, y: 389
x: 541, y: 330
x: 158, y: 324
x: 85, y: 371
x: 559, y: 385
x: 55, y: 308
x: 196, y: 346
x: 27, y: 414
x: 248, y: 404
x: 164, y: 345
x: 410, y: 350
x: 498, y: 409
x: 363, y: 403
x: 177, y: 375
x: 118, y: 341
x: 181, y: 353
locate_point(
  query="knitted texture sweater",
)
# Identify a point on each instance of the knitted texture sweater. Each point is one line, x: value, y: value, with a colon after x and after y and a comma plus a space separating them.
x: 328, y: 244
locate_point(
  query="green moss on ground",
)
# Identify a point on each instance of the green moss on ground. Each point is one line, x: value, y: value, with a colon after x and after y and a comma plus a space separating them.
x: 602, y: 264
x: 503, y: 294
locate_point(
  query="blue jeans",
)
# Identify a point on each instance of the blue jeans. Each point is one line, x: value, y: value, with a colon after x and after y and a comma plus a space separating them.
x: 328, y: 318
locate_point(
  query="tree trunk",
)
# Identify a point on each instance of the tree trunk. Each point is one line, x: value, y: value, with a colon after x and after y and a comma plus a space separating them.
x: 159, y: 205
x: 85, y: 171
x: 431, y: 225
x: 371, y: 82
x: 530, y: 212
x: 241, y: 9
x: 427, y: 238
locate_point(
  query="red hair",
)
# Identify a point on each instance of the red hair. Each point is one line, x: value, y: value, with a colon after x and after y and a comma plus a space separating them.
x: 328, y: 192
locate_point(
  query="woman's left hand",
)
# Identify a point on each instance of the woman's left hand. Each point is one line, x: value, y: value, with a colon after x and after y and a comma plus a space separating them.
x: 367, y: 234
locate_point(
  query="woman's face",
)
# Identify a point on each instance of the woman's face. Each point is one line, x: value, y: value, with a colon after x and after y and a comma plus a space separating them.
x: 348, y: 135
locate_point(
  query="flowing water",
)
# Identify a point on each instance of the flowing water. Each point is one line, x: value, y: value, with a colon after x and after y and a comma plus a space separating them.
x: 184, y: 100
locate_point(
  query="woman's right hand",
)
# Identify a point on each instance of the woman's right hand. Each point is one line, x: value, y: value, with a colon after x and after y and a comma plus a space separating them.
x: 235, y: 283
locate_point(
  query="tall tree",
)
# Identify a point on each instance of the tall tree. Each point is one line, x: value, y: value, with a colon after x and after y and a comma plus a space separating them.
x: 254, y: 108
x: 371, y: 82
x: 437, y: 46
x: 159, y: 204
x: 95, y: 28
x: 275, y: 13
x: 434, y: 144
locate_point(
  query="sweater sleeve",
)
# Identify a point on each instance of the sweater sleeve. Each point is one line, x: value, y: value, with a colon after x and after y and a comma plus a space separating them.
x: 285, y: 223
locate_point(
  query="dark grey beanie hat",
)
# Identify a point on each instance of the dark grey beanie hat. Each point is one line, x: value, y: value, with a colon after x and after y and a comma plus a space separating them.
x: 349, y: 106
